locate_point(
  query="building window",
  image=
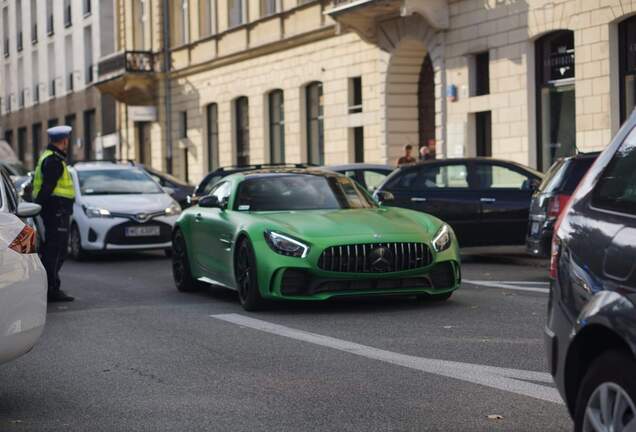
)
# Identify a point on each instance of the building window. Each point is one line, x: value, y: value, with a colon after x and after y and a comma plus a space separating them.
x: 88, y: 54
x: 8, y: 137
x: 70, y: 120
x: 315, y: 124
x: 18, y: 18
x: 269, y: 7
x: 5, y: 32
x: 90, y: 132
x: 242, y: 131
x: 556, y: 126
x: 207, y: 18
x: 212, y: 116
x: 355, y: 95
x: 480, y: 74
x: 21, y: 92
x: 68, y: 14
x: 50, y: 22
x: 22, y: 143
x: 483, y: 133
x: 34, y: 21
x: 358, y: 144
x: 180, y: 23
x: 140, y: 30
x: 627, y: 60
x: 70, y: 76
x: 237, y: 13
x: 183, y: 136
x: 36, y: 141
x: 276, y: 127
x: 52, y: 123
x: 87, y: 7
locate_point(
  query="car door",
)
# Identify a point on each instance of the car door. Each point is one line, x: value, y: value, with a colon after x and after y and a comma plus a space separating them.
x: 443, y: 190
x: 209, y: 235
x: 504, y: 193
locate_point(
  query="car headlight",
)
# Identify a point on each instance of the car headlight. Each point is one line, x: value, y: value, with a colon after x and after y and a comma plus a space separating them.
x: 442, y: 239
x: 174, y: 209
x: 285, y: 245
x: 96, y: 212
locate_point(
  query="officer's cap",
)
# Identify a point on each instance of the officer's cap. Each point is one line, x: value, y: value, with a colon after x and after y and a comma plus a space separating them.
x: 59, y: 133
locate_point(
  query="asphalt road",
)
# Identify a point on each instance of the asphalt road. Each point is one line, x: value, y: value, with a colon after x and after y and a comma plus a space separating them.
x: 133, y: 354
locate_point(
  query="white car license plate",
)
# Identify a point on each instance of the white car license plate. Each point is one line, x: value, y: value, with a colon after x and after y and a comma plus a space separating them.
x: 142, y: 231
x: 534, y: 228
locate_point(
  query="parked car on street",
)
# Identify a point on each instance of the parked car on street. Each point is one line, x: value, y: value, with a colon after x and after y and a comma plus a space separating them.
x: 369, y: 176
x: 551, y: 198
x: 176, y: 188
x: 486, y: 201
x: 591, y: 327
x: 205, y: 186
x: 23, y: 284
x: 293, y: 234
x: 119, y: 207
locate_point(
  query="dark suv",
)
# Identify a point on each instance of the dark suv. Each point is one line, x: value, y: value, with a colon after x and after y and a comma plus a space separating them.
x: 551, y: 198
x: 591, y: 328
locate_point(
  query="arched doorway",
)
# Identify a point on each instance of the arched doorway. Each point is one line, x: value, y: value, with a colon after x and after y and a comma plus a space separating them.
x: 426, y: 105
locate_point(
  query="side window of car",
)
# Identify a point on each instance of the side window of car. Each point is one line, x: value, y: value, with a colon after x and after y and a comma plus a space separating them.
x: 403, y: 180
x: 500, y: 177
x: 373, y: 180
x: 453, y: 176
x: 221, y: 191
x: 211, y: 182
x: 9, y: 190
x: 616, y: 189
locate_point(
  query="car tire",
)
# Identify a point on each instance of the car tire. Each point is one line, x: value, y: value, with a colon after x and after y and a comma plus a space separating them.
x: 75, y: 249
x: 181, y: 272
x: 246, y: 277
x: 606, y: 378
x: 434, y: 297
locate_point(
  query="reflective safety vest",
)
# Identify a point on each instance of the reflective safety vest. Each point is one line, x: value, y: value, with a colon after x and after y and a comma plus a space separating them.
x: 63, y: 188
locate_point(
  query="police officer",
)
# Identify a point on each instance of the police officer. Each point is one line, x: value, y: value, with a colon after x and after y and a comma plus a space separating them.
x: 53, y: 190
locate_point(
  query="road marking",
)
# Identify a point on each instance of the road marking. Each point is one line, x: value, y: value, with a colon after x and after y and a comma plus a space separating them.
x: 510, y: 380
x: 509, y: 285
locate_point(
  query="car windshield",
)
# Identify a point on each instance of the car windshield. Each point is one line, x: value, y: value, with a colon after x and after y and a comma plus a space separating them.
x: 116, y: 182
x: 300, y: 192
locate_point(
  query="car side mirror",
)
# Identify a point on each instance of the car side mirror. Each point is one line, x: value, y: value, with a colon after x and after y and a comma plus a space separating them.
x: 211, y: 201
x: 384, y: 196
x: 27, y: 210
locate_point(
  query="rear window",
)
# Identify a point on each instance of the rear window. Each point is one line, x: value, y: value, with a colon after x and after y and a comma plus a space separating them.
x: 576, y: 171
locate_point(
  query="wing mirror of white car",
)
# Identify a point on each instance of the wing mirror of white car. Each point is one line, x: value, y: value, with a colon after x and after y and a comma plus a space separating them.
x: 27, y: 209
x: 167, y: 189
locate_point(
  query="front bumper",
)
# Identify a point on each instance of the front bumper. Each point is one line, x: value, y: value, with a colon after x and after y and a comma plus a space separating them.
x: 109, y: 234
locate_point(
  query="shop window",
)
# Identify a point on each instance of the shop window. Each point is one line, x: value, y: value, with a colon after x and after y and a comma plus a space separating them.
x: 556, y: 126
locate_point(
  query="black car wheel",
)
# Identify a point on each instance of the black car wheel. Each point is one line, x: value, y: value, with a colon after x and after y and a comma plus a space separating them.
x: 181, y: 266
x: 75, y: 249
x: 606, y: 400
x: 246, y: 277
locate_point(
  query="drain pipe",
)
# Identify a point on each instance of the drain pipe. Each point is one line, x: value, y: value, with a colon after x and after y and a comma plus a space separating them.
x: 167, y: 86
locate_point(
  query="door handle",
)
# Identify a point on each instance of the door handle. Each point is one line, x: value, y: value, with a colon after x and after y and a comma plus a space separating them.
x: 488, y: 200
x: 198, y: 217
x: 417, y: 199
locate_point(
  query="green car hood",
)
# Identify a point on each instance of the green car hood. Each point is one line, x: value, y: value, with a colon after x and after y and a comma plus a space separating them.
x: 310, y: 224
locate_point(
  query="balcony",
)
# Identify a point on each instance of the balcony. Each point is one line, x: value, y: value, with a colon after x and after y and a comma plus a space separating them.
x: 362, y: 16
x: 128, y: 76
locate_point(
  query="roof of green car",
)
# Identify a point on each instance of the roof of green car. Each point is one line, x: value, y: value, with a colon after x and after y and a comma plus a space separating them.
x: 283, y: 171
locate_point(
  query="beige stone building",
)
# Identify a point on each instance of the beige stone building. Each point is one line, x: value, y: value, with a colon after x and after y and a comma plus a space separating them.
x: 251, y: 81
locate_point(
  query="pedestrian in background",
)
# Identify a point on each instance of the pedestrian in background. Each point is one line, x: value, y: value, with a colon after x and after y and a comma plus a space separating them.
x: 408, y: 158
x: 53, y: 190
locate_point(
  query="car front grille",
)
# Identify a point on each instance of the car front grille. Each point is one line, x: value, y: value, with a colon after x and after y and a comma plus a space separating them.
x: 117, y: 236
x: 375, y: 257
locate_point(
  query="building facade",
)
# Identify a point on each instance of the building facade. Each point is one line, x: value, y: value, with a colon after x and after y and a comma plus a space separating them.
x: 47, y: 73
x: 252, y: 81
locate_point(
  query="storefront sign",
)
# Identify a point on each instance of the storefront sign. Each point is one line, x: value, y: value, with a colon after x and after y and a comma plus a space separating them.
x: 142, y: 113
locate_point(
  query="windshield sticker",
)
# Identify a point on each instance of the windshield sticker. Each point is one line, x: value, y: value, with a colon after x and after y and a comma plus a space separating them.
x: 244, y: 208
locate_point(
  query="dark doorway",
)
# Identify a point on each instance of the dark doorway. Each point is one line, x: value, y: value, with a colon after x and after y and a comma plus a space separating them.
x: 70, y: 120
x: 483, y: 133
x: 36, y: 142
x: 143, y: 142
x: 22, y: 143
x: 89, y: 134
x: 426, y: 103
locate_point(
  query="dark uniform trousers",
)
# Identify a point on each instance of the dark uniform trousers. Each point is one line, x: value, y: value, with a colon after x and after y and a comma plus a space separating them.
x: 56, y: 226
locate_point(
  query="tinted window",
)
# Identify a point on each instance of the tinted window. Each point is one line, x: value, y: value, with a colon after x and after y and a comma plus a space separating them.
x: 221, y: 191
x: 209, y: 185
x: 577, y: 170
x: 553, y: 178
x: 500, y: 177
x: 116, y: 182
x: 373, y: 179
x: 616, y: 189
x: 442, y: 176
x: 300, y: 192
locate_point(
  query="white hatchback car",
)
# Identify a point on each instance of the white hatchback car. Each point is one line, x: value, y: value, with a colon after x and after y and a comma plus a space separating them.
x: 22, y: 276
x: 119, y: 207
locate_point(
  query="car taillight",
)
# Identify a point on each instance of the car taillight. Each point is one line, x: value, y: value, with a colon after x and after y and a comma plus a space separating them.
x: 557, y: 204
x: 25, y: 242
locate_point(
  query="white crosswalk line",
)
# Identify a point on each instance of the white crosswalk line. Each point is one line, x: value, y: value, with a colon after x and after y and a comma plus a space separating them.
x: 506, y: 285
x: 510, y: 380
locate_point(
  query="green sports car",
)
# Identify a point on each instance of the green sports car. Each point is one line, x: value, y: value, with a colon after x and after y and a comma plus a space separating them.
x: 294, y: 234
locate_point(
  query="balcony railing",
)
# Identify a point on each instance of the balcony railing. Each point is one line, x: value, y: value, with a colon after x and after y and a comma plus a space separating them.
x: 50, y: 25
x: 127, y: 62
x: 20, y: 45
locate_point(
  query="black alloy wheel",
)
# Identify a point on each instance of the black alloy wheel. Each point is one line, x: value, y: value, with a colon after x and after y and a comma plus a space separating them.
x: 181, y: 266
x: 246, y: 277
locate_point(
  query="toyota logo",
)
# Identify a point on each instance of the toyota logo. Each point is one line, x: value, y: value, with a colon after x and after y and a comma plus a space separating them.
x: 141, y: 217
x: 380, y: 260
